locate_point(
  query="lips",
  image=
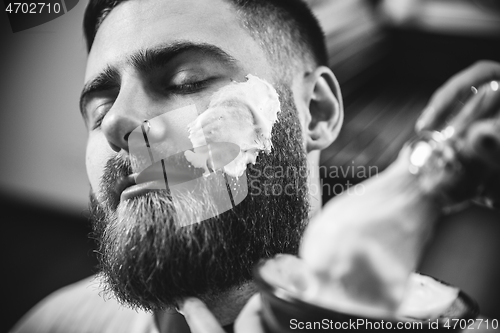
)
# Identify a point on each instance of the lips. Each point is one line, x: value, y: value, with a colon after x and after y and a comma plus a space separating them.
x: 127, y: 187
x: 177, y: 169
x: 142, y: 188
x: 123, y: 183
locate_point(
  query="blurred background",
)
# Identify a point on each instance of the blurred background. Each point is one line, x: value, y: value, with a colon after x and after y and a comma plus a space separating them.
x: 389, y: 57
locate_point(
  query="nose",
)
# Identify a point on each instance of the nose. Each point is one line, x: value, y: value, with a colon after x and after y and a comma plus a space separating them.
x: 117, y: 128
x: 126, y: 114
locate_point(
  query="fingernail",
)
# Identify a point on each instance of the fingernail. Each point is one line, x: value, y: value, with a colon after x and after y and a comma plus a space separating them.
x: 419, y: 125
x: 448, y: 132
x: 422, y: 120
x: 494, y: 85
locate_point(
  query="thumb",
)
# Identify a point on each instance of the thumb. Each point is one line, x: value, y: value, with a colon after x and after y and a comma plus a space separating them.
x: 198, y: 316
x: 249, y: 320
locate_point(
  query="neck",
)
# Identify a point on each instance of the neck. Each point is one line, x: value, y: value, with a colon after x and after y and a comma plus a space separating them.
x: 225, y: 306
x: 314, y: 183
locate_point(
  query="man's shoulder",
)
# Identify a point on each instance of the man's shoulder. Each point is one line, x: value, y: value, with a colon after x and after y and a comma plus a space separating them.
x: 80, y: 307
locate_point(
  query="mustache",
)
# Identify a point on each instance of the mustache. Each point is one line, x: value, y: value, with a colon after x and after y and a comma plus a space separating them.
x: 115, y: 169
x: 121, y: 166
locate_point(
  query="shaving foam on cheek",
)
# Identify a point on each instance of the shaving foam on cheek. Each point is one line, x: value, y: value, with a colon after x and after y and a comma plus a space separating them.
x: 240, y: 113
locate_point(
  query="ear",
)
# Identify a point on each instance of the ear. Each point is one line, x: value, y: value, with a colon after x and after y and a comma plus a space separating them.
x: 326, y: 111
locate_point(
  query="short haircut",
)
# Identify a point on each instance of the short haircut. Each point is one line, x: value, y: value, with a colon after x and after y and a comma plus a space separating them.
x: 287, y: 30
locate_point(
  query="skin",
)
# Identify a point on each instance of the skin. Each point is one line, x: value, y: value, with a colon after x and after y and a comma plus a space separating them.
x: 135, y: 26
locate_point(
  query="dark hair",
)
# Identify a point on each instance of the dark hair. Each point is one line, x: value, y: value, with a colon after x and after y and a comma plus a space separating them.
x: 288, y: 29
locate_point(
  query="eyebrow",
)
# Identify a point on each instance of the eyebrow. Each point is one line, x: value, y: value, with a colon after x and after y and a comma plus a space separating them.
x: 148, y: 60
x: 108, y: 79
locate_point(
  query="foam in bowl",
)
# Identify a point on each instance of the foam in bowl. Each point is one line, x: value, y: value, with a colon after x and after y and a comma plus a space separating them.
x: 425, y: 298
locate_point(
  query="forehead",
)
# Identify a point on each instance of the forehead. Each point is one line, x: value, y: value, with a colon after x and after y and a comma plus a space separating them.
x: 137, y: 25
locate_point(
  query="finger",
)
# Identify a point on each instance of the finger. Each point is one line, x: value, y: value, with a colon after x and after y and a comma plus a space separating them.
x: 457, y: 89
x: 485, y: 104
x: 198, y: 317
x: 249, y: 320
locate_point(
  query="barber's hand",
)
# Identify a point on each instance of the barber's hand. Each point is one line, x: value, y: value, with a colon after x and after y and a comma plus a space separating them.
x: 198, y: 317
x: 201, y: 320
x: 249, y: 319
x: 473, y: 128
x: 457, y: 88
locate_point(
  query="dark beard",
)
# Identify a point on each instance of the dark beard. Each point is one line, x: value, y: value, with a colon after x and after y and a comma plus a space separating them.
x: 149, y: 261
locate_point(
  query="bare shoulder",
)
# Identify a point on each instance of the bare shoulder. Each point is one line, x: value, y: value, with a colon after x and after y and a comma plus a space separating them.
x: 80, y: 307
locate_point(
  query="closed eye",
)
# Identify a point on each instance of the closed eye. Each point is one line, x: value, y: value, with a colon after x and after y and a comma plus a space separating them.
x: 101, y: 112
x: 190, y: 87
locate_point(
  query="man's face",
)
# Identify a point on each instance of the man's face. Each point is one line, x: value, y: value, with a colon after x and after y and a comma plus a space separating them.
x: 135, y: 26
x: 151, y: 57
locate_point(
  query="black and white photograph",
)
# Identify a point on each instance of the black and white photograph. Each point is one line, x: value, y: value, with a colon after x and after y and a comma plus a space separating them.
x: 250, y: 166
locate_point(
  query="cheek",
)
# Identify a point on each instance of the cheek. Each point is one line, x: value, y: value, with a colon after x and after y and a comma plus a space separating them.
x: 97, y: 154
x: 303, y: 112
x: 304, y: 117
